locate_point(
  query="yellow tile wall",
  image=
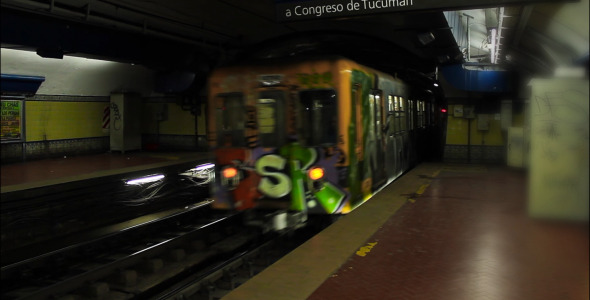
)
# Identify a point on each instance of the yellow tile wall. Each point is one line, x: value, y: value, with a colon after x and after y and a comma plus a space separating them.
x: 458, y: 129
x: 53, y: 120
x: 178, y: 121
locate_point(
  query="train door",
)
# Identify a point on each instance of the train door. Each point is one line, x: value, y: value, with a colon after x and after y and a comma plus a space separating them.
x: 357, y: 158
x: 377, y: 143
x: 389, y: 136
x: 412, y: 131
x: 404, y: 133
x: 399, y: 140
x: 422, y: 131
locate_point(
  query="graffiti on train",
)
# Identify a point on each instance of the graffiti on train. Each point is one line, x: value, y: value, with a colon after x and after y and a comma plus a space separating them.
x: 287, y: 172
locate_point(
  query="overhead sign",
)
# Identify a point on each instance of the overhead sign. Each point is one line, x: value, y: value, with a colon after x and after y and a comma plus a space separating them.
x: 292, y: 10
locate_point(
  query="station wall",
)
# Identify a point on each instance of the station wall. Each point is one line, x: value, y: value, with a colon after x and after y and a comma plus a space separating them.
x: 67, y: 114
x: 478, y: 124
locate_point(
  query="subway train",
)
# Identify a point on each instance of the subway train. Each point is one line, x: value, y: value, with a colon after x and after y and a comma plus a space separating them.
x: 317, y: 136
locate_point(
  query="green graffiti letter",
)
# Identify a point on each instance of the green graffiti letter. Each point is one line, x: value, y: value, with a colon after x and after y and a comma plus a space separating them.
x: 266, y: 186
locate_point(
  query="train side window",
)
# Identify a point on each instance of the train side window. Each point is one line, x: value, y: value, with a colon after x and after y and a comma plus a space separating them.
x: 271, y: 118
x: 427, y: 112
x: 402, y: 114
x: 356, y: 97
x: 426, y: 120
x: 377, y: 101
x: 318, y: 110
x: 423, y: 109
x: 390, y: 115
x: 382, y: 110
x: 230, y: 119
x: 431, y: 114
x: 419, y: 116
x: 415, y: 114
x: 398, y: 127
x: 411, y: 113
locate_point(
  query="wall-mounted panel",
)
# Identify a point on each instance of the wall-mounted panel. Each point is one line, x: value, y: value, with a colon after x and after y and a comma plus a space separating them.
x: 558, y: 187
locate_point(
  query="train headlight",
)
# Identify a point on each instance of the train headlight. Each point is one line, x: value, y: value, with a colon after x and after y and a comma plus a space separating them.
x: 229, y: 172
x: 230, y: 177
x: 315, y: 173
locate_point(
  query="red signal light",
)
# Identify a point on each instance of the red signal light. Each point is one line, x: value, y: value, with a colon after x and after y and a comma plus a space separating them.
x: 315, y: 173
x: 443, y: 110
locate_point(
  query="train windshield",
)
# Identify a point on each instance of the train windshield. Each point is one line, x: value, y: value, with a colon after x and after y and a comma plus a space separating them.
x: 271, y: 118
x: 318, y: 117
x: 230, y: 120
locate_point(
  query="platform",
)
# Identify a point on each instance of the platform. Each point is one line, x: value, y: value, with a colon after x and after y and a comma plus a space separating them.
x: 50, y: 204
x: 47, y: 172
x: 440, y: 232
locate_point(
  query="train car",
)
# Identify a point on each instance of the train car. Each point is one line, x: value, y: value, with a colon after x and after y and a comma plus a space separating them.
x: 309, y: 137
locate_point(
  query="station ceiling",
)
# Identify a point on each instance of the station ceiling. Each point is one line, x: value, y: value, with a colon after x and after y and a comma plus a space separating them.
x: 197, y: 35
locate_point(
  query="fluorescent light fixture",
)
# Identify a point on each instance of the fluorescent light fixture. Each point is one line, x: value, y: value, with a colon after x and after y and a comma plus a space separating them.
x: 493, y: 46
x: 435, y: 84
x: 143, y: 180
x: 204, y: 167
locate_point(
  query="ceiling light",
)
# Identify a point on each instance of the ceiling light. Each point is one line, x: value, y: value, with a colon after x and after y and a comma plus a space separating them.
x: 426, y: 38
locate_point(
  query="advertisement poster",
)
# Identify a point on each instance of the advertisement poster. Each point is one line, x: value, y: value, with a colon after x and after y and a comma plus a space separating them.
x: 11, y: 112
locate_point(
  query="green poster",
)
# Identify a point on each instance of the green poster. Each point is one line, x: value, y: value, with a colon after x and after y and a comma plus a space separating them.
x: 11, y: 113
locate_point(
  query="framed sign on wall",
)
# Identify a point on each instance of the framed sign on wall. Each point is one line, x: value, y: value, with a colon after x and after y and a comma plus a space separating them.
x: 12, y: 119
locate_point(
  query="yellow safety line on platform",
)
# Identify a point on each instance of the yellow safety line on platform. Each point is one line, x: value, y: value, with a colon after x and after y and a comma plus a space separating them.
x: 422, y: 188
x: 303, y: 270
x: 364, y: 250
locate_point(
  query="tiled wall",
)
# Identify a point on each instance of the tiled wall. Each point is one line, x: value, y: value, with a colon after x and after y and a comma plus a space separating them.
x: 173, y: 119
x: 467, y: 143
x: 166, y: 126
x: 475, y: 154
x: 60, y: 125
x: 13, y: 152
x: 50, y: 118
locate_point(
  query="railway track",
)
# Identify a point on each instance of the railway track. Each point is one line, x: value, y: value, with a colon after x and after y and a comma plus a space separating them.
x: 187, y: 253
x: 128, y: 262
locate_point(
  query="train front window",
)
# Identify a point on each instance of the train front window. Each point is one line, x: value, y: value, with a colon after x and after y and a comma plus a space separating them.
x: 230, y: 117
x: 318, y: 117
x: 271, y: 118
